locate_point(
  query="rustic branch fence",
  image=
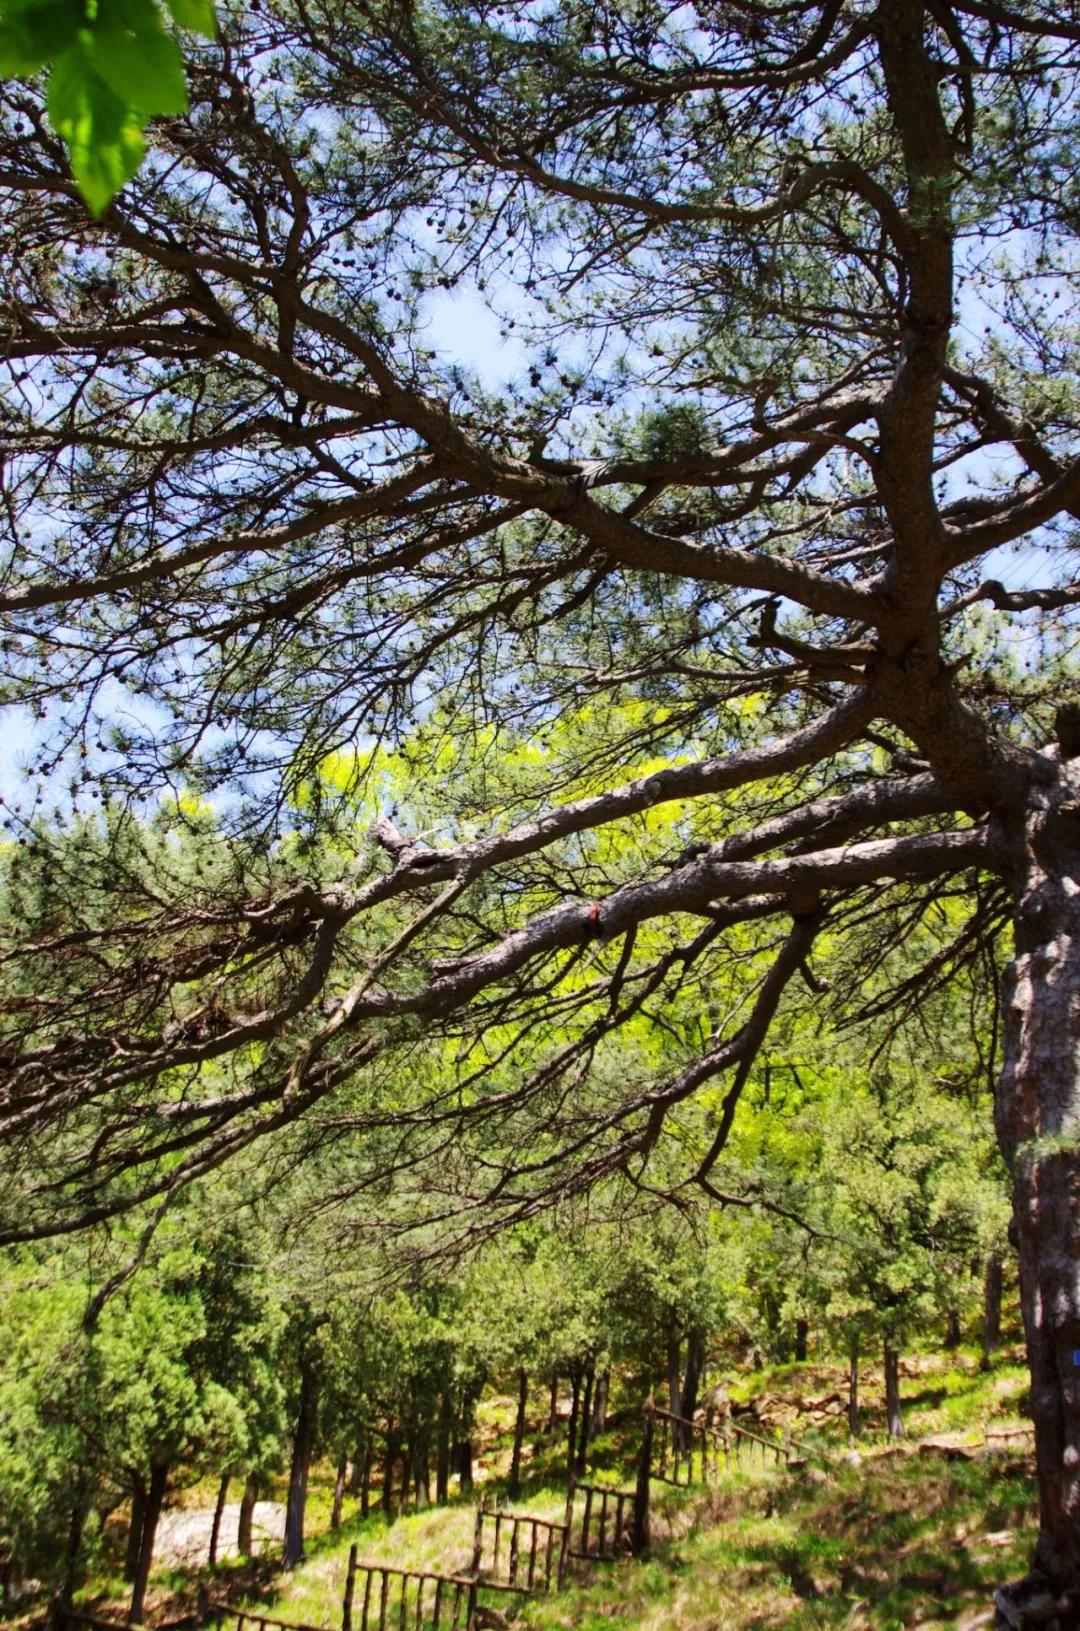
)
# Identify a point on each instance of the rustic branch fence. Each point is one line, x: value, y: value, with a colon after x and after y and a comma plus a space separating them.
x: 536, y: 1550
x: 607, y: 1528
x: 689, y: 1452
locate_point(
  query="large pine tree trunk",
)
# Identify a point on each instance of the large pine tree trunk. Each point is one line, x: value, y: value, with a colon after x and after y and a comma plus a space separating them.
x: 1038, y: 1117
x: 302, y: 1450
x: 155, y: 1496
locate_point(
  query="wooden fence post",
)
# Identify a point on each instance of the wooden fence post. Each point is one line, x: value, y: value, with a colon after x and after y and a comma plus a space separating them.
x: 470, y: 1607
x: 641, y: 1494
x: 350, y: 1589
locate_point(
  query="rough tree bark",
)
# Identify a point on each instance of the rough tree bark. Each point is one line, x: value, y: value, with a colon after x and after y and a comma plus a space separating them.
x: 1038, y: 1120
x: 802, y: 1335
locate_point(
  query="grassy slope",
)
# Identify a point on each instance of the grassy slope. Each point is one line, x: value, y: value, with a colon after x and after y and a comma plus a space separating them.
x: 902, y: 1538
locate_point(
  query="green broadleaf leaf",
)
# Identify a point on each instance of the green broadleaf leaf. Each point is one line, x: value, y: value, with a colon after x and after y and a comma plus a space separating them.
x: 196, y: 14
x: 32, y: 34
x: 103, y: 134
x: 139, y: 62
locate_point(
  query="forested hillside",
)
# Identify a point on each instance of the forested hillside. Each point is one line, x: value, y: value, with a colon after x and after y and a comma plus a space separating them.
x: 538, y: 601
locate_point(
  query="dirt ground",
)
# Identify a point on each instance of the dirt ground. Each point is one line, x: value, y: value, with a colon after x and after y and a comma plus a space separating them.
x: 183, y: 1535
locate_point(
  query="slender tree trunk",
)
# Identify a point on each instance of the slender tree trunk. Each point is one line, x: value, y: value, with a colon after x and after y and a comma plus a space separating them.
x: 247, y: 1514
x: 219, y: 1507
x: 892, y: 1392
x: 302, y: 1450
x: 553, y: 1405
x: 514, y: 1483
x: 73, y: 1549
x: 155, y: 1496
x: 992, y: 1290
x: 357, y: 1467
x: 853, y: 1392
x: 135, y: 1527
x: 674, y: 1389
x: 442, y: 1448
x: 365, y: 1476
x: 695, y: 1360
x: 600, y: 1402
x: 464, y: 1448
x: 392, y: 1440
x: 952, y: 1328
x: 585, y: 1420
x: 1038, y: 1112
x: 339, y: 1491
x: 802, y: 1334
x: 423, y: 1465
x: 407, y: 1452
x: 571, y: 1431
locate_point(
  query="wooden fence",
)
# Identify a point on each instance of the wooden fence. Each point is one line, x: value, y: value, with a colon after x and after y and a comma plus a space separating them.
x: 536, y: 1550
x: 688, y: 1452
x: 600, y: 1522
